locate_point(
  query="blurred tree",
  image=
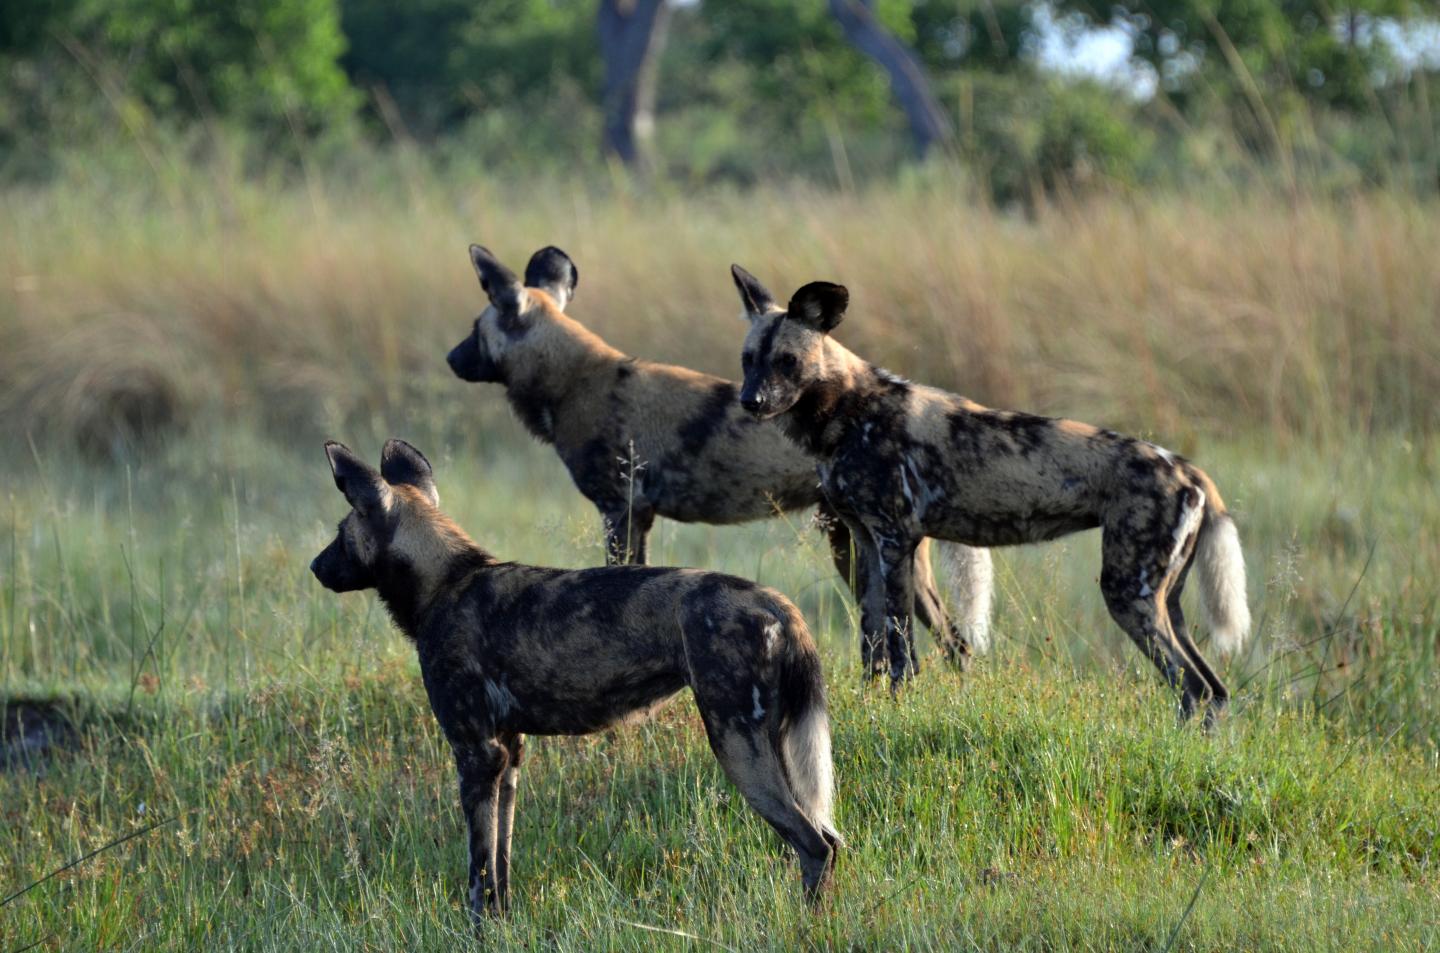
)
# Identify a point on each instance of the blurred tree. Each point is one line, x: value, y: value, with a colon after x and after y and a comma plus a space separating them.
x: 632, y: 35
x: 1261, y: 53
x: 260, y: 61
x: 441, y: 61
x: 929, y: 126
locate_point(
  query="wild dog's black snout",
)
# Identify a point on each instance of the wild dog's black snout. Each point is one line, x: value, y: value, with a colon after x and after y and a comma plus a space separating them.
x: 464, y: 360
x: 337, y: 572
x: 752, y: 401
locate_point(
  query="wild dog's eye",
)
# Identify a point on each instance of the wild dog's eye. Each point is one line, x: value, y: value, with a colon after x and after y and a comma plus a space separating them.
x: 786, y: 362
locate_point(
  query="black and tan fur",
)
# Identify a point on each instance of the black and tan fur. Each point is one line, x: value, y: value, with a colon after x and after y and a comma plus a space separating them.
x: 643, y: 440
x: 900, y: 461
x: 508, y: 650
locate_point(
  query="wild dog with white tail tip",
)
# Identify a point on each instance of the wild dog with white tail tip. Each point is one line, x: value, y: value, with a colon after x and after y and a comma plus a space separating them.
x: 642, y: 439
x: 508, y: 650
x: 900, y: 461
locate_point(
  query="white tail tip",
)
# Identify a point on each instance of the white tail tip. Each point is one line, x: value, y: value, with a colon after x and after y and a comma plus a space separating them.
x: 1221, y: 566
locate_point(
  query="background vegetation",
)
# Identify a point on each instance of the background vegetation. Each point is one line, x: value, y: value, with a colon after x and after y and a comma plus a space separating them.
x: 229, y: 231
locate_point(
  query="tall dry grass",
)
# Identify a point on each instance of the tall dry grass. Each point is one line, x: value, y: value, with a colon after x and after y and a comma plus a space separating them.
x: 128, y: 309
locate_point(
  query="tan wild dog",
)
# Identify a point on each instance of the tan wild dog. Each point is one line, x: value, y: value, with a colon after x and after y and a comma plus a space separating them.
x: 642, y: 439
x: 508, y: 650
x: 900, y: 461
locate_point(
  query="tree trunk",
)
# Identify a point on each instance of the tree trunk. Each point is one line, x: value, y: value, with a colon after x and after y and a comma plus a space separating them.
x: 929, y: 126
x: 632, y: 34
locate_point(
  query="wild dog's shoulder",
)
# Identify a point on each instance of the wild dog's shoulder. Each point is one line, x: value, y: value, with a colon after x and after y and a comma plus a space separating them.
x: 681, y: 389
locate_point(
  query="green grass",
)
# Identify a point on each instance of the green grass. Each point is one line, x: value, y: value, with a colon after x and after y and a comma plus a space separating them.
x: 280, y: 733
x: 173, y: 352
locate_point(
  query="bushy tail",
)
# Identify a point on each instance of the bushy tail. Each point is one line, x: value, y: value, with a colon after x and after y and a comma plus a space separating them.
x: 805, y: 728
x: 1221, y: 567
x: 966, y: 578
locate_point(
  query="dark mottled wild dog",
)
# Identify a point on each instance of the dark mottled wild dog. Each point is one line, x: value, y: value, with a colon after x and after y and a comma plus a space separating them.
x: 643, y: 440
x: 508, y: 650
x: 900, y: 461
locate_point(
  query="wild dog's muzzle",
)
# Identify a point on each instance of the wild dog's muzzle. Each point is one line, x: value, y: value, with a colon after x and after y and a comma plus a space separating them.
x: 760, y: 400
x: 337, y: 571
x: 467, y: 362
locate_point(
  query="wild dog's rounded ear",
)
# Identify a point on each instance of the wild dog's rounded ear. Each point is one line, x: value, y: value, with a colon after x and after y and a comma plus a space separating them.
x: 401, y: 463
x: 553, y: 272
x: 499, y: 282
x: 819, y: 305
x: 753, y: 295
x: 356, y: 479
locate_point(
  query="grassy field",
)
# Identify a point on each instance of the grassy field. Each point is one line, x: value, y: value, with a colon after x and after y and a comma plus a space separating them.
x: 169, y: 363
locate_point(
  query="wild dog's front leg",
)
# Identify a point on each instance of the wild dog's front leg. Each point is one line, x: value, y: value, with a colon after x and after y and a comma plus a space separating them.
x: 897, y: 568
x: 870, y: 592
x: 627, y: 533
x: 480, y: 767
x: 509, y: 782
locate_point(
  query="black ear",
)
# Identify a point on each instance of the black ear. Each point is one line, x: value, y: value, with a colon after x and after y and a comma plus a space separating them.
x: 499, y: 282
x: 401, y: 463
x: 753, y: 295
x: 355, y: 478
x: 819, y: 305
x: 552, y: 271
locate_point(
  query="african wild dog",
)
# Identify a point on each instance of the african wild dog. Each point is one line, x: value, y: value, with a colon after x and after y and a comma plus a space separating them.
x: 642, y: 439
x: 508, y: 650
x: 900, y: 461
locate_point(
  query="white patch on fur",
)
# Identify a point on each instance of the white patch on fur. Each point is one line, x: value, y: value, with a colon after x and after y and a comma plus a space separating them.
x: 917, y: 492
x: 965, y: 576
x: 772, y: 635
x: 1165, y: 455
x: 1221, y: 566
x: 1190, y: 517
x: 890, y: 377
x: 502, y: 702
x: 759, y: 713
x: 1146, y: 589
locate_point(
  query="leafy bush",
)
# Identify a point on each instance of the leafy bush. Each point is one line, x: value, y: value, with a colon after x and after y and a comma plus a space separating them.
x: 1025, y: 134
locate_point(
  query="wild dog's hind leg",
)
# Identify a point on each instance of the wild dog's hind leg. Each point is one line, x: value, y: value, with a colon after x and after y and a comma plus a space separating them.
x: 1220, y: 695
x: 509, y: 782
x: 750, y: 760
x: 930, y: 610
x: 1140, y: 567
x: 480, y: 766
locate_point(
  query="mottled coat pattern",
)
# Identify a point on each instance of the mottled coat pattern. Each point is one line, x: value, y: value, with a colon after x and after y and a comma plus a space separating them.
x: 508, y: 650
x: 900, y: 461
x: 642, y: 439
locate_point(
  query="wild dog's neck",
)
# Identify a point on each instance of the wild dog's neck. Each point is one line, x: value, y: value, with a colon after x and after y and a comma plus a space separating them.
x: 823, y: 413
x: 422, y: 564
x: 552, y: 372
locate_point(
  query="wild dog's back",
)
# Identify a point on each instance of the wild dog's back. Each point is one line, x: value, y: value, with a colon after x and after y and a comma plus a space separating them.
x: 575, y: 651
x: 704, y: 459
